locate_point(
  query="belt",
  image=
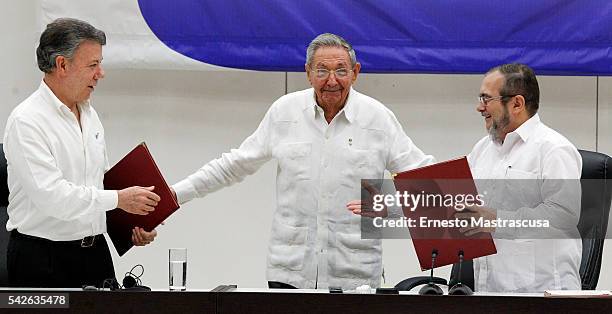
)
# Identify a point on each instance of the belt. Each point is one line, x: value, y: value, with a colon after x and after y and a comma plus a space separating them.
x: 89, y: 241
x: 86, y: 242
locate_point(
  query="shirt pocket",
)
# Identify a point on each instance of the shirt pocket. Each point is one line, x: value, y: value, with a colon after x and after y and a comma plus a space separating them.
x: 359, y: 165
x: 523, y: 187
x: 287, y: 246
x: 515, y: 267
x: 294, y: 160
x: 356, y: 257
x: 97, y: 152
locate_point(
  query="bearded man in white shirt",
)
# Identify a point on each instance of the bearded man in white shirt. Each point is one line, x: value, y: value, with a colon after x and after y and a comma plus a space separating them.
x: 520, y: 146
x: 325, y: 139
x: 55, y: 149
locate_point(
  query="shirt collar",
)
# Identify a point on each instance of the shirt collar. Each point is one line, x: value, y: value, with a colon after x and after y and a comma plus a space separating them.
x: 54, y: 101
x: 528, y: 127
x: 349, y: 109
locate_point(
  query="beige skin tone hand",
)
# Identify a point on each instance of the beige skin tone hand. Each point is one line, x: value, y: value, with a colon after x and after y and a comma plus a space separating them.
x: 140, y: 237
x: 476, y: 212
x: 357, y: 206
x: 138, y: 200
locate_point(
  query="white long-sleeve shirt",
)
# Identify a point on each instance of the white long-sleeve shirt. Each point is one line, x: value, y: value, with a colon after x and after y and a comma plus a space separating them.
x: 56, y: 170
x: 315, y: 240
x: 546, y: 170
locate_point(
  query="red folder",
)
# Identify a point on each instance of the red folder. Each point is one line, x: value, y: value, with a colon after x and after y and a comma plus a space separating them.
x: 448, y: 178
x: 137, y: 168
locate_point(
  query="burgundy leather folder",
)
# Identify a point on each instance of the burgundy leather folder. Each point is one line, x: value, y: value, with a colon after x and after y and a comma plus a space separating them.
x: 446, y: 178
x: 137, y: 168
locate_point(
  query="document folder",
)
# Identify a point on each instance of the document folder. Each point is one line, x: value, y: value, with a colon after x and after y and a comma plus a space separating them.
x: 137, y: 168
x: 449, y: 178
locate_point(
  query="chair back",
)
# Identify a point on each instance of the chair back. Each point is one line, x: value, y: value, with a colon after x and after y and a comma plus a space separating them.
x: 594, y: 213
x: 4, y: 192
x: 4, y: 235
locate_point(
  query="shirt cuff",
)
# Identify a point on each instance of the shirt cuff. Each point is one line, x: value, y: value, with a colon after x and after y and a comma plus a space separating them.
x: 109, y: 199
x: 185, y: 191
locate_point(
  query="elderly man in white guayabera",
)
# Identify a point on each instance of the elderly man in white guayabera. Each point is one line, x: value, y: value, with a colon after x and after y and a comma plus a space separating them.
x: 325, y: 138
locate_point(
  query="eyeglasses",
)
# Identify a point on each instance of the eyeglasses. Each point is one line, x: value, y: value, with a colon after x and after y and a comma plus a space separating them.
x: 486, y: 99
x: 324, y: 73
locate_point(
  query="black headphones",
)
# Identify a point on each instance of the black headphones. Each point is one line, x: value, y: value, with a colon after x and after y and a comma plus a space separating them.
x: 132, y: 282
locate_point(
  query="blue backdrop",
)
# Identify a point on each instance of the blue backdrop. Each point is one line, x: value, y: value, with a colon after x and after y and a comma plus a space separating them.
x: 429, y: 36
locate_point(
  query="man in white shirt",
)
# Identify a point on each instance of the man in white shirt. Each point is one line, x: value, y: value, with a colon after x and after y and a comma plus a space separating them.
x: 326, y: 139
x: 520, y: 146
x: 56, y: 154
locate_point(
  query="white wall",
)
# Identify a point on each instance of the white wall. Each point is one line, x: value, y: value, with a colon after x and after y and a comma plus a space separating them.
x: 21, y: 76
x: 189, y: 117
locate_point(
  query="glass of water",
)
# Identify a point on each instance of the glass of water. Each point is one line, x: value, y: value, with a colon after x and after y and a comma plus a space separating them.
x: 177, y: 269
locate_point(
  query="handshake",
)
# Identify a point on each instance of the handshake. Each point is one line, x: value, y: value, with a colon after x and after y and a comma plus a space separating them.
x: 139, y: 200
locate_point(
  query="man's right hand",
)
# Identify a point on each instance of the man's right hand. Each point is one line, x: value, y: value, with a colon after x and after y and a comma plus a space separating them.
x: 138, y: 200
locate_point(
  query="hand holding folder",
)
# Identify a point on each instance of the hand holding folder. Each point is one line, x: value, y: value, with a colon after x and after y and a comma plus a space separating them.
x: 137, y: 168
x: 475, y: 213
x: 446, y: 178
x: 138, y: 200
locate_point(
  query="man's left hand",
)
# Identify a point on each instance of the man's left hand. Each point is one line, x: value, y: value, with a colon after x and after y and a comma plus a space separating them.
x: 358, y: 206
x: 476, y: 212
x: 140, y: 237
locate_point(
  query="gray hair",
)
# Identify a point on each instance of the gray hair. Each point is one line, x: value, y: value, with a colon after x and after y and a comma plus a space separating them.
x: 329, y: 40
x: 61, y: 38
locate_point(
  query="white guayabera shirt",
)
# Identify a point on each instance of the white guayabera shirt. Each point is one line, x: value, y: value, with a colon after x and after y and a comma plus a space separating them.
x: 538, y: 158
x: 315, y: 240
x: 56, y: 170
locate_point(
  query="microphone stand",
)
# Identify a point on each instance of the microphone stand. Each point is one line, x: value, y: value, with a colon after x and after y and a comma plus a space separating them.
x: 459, y: 288
x: 431, y: 288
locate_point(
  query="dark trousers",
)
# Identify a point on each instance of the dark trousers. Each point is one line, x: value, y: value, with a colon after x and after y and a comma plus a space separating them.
x: 38, y: 262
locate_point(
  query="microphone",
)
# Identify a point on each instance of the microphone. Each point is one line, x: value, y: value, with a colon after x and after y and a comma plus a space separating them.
x: 459, y: 288
x: 431, y: 288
